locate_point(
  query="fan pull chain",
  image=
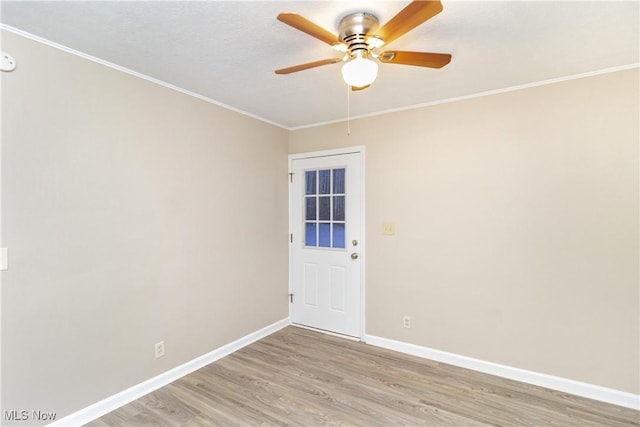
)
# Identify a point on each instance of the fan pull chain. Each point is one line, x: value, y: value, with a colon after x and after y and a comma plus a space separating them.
x: 348, y: 111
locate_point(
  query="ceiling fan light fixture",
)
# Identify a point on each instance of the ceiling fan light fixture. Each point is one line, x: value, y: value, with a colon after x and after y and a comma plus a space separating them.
x: 359, y: 71
x: 359, y: 35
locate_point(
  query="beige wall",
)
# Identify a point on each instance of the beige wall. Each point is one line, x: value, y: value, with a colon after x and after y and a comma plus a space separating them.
x: 133, y: 214
x: 516, y: 226
x: 136, y: 214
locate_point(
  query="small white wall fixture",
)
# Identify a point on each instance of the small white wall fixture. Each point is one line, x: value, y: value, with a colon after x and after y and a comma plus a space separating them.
x: 7, y: 63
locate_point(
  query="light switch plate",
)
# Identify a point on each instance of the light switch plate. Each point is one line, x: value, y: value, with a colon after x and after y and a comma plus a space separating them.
x: 388, y: 228
x: 4, y: 259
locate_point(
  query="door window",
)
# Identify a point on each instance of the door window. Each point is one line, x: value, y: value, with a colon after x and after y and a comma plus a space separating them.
x: 324, y: 204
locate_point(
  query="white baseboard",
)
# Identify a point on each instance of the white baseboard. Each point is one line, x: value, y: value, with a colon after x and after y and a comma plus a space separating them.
x: 603, y: 394
x: 111, y: 403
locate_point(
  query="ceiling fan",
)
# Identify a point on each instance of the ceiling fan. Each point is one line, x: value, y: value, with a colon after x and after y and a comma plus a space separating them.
x: 359, y: 38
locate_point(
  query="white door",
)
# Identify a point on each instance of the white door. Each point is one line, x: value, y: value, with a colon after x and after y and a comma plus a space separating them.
x: 327, y: 243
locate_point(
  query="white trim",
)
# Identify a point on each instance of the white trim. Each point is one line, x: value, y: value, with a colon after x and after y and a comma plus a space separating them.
x: 591, y: 391
x: 1, y: 304
x: 322, y: 331
x: 312, y: 125
x: 324, y: 153
x: 111, y: 403
x: 359, y: 149
x: 474, y: 95
x: 133, y: 73
x: 363, y: 243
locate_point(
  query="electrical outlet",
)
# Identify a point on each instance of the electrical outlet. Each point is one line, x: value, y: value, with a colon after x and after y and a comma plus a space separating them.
x: 159, y: 349
x: 406, y: 321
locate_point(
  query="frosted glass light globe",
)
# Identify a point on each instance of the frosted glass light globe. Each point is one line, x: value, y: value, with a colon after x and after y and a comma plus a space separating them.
x: 359, y: 72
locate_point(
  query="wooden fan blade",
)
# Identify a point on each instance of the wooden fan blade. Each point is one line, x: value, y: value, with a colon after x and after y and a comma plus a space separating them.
x: 417, y: 12
x: 355, y: 89
x: 308, y: 65
x: 303, y: 24
x: 420, y: 59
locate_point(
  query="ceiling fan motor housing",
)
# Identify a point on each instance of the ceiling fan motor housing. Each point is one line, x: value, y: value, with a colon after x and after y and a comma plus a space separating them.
x: 354, y: 30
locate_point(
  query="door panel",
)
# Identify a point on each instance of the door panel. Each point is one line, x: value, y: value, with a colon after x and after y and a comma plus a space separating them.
x: 338, y: 290
x: 311, y: 284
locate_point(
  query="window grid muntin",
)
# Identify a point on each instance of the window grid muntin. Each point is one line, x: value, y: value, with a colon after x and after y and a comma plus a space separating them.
x: 317, y: 186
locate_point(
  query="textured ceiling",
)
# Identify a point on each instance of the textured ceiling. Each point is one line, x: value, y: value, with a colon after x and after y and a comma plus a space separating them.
x: 227, y: 51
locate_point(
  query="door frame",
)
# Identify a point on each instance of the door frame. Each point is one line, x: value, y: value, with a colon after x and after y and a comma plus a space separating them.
x: 359, y: 149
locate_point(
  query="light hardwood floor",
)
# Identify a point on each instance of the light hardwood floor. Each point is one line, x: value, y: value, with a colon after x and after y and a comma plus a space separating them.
x: 305, y: 378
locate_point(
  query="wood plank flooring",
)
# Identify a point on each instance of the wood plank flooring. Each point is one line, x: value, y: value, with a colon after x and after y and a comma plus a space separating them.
x: 304, y: 378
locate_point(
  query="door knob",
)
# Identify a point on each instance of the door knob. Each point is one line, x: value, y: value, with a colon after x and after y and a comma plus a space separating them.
x: 354, y: 255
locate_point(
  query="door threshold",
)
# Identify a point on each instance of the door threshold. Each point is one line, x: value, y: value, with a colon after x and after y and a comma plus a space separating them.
x: 324, y: 331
